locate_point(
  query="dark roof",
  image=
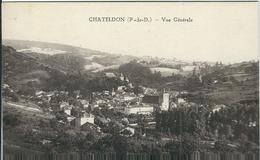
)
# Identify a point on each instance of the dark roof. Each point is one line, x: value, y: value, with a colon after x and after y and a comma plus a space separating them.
x: 150, y: 99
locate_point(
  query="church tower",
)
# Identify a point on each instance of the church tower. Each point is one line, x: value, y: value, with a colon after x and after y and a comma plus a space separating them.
x: 165, y: 101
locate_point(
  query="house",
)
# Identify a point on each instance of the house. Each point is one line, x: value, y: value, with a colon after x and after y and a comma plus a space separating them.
x: 85, y: 103
x: 129, y: 97
x: 63, y: 104
x: 180, y: 100
x: 85, y: 106
x: 139, y: 109
x: 130, y: 85
x: 105, y: 92
x: 67, y: 110
x: 122, y: 78
x: 45, y: 141
x: 100, y: 101
x: 65, y: 107
x: 113, y: 93
x: 252, y: 124
x: 127, y: 80
x: 121, y: 88
x: 5, y: 86
x: 110, y: 75
x: 90, y: 127
x: 70, y: 118
x: 86, y: 118
x: 127, y: 132
x: 150, y: 91
x: 218, y: 107
x: 173, y: 105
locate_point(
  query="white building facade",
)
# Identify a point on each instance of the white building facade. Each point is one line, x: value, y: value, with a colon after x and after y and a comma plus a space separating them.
x: 139, y: 110
x: 89, y: 118
x: 165, y: 102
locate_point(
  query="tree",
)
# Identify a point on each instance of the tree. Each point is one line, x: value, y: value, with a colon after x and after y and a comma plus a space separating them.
x: 26, y: 90
x: 116, y: 143
x: 139, y: 74
x: 11, y: 119
x: 193, y: 83
x: 60, y: 116
x: 113, y: 128
x: 137, y: 90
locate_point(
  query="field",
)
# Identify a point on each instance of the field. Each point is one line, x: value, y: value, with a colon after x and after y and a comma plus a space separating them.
x: 28, y: 110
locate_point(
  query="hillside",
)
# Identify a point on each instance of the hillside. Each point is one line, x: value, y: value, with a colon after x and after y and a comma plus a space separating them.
x: 32, y: 46
x: 45, y: 90
x: 68, y: 58
x: 220, y: 83
x: 229, y: 84
x: 92, y: 60
x: 25, y: 73
x: 20, y: 69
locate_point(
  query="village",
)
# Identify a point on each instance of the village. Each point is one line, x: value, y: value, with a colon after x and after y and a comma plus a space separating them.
x: 126, y: 107
x: 121, y: 106
x: 133, y: 107
x: 148, y: 117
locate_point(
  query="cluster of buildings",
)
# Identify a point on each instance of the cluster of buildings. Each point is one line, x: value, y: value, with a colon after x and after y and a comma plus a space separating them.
x: 119, y: 100
x: 122, y: 100
x: 58, y: 102
x: 156, y: 102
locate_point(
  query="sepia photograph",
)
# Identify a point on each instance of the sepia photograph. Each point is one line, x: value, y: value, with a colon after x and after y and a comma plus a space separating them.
x: 130, y: 81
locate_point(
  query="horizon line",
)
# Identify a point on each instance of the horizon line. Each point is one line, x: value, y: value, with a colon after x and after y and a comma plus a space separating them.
x: 127, y: 54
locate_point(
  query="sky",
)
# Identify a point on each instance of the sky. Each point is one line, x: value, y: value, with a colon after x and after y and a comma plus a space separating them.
x: 226, y: 32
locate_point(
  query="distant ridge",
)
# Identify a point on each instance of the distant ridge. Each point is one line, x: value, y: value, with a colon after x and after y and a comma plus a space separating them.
x: 25, y: 44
